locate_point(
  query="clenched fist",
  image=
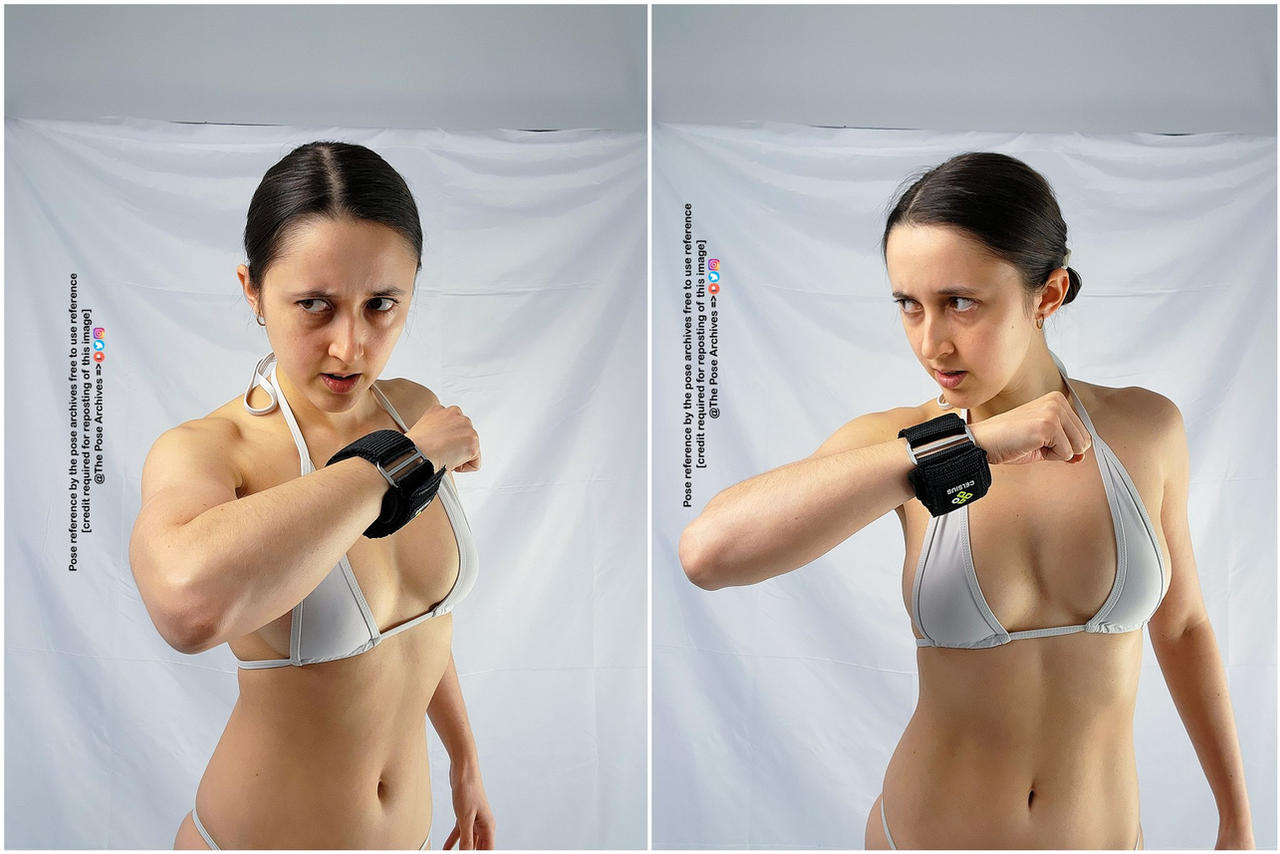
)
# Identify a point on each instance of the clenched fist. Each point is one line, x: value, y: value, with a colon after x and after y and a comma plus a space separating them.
x: 1046, y: 428
x: 445, y: 436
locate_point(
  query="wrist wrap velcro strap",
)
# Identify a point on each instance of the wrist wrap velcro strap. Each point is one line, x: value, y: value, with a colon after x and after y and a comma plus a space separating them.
x: 919, y: 435
x: 412, y: 479
x: 955, y: 475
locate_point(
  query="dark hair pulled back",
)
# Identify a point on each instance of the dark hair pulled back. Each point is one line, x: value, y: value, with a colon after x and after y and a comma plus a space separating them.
x: 998, y: 200
x: 325, y: 180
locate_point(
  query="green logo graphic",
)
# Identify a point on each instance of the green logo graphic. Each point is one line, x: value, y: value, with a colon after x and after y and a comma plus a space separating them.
x: 962, y: 498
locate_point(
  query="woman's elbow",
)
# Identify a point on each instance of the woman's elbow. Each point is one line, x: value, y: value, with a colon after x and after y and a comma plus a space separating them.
x: 182, y: 619
x: 697, y: 556
x: 191, y: 636
x: 186, y: 626
x: 167, y: 583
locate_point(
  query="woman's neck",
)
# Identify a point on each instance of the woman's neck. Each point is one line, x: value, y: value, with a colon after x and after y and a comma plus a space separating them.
x: 317, y: 422
x: 1037, y: 377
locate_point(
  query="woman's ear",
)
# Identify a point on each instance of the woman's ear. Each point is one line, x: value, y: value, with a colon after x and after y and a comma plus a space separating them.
x: 1053, y: 293
x: 251, y: 295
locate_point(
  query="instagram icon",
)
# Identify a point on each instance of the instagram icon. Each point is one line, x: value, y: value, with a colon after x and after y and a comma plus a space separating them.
x: 713, y: 275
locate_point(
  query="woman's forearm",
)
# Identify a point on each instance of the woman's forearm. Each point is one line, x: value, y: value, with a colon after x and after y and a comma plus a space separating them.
x: 448, y: 716
x: 1197, y: 682
x: 787, y: 517
x: 250, y: 560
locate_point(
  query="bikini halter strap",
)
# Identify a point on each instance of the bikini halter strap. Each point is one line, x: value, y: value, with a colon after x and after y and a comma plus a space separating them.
x: 260, y: 378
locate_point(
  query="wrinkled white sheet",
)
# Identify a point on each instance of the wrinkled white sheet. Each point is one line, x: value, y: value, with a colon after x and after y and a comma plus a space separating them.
x: 529, y: 314
x: 776, y: 707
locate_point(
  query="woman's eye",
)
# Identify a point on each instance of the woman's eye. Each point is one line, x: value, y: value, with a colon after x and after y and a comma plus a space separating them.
x: 382, y: 305
x: 963, y: 303
x: 906, y: 305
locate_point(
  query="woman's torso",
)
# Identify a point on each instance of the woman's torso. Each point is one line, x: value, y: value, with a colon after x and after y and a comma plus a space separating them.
x: 334, y: 754
x: 1030, y: 744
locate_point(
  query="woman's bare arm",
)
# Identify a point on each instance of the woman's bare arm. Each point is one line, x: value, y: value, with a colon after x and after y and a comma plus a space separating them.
x: 783, y: 519
x: 448, y: 716
x: 211, y: 567
x: 1187, y: 650
x: 474, y: 827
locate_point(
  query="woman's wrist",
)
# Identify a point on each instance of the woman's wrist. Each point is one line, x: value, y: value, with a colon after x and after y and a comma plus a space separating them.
x: 426, y: 448
x: 1234, y: 819
x: 466, y: 764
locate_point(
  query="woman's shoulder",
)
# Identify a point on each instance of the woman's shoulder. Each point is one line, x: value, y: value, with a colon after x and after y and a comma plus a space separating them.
x: 230, y: 432
x: 220, y: 428
x: 211, y: 442
x: 1143, y: 427
x: 1135, y: 411
x: 225, y: 425
x: 409, y: 398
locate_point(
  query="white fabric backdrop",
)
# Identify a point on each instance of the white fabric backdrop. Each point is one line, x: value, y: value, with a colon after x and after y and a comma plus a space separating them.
x: 529, y: 314
x: 776, y: 707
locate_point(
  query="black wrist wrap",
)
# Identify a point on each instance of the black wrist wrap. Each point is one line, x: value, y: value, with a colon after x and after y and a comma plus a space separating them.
x: 949, y: 479
x: 411, y: 493
x: 399, y: 506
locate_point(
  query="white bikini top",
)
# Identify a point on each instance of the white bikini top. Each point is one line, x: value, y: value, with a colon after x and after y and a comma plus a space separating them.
x: 948, y: 606
x: 334, y: 620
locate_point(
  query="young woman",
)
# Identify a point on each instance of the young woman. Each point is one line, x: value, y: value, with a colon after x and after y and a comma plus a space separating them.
x: 1027, y: 601
x: 332, y: 594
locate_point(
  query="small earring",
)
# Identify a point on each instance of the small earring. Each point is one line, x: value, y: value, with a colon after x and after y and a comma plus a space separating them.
x: 261, y: 320
x: 1040, y: 322
x: 943, y: 402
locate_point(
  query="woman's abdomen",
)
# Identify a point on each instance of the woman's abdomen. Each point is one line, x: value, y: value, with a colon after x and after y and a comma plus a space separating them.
x: 1031, y: 748
x: 331, y: 755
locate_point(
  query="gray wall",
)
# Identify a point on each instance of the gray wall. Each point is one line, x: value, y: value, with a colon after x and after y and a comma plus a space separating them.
x: 1091, y: 69
x: 452, y: 67
x: 1087, y: 68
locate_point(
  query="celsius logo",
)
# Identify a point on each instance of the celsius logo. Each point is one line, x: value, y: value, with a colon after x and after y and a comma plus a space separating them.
x: 99, y: 344
x: 713, y: 275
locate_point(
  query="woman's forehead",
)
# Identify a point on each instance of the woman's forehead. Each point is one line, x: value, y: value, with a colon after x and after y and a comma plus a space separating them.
x: 933, y: 258
x: 346, y: 254
x: 906, y: 241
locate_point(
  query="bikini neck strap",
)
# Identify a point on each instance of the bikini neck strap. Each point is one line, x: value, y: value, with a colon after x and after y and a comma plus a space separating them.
x: 260, y: 378
x: 1073, y: 396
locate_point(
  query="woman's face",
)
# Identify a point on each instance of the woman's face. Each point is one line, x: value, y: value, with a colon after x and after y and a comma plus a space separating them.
x: 335, y: 302
x: 966, y: 313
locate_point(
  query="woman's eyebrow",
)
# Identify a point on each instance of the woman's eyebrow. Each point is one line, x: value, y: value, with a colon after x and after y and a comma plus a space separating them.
x: 948, y: 291
x: 317, y: 293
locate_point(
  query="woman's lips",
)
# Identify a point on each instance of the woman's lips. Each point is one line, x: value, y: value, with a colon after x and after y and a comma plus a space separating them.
x: 341, y: 386
x: 950, y: 379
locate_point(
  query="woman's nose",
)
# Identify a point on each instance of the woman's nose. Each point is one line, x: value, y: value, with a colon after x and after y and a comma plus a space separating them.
x: 935, y: 338
x: 347, y: 344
